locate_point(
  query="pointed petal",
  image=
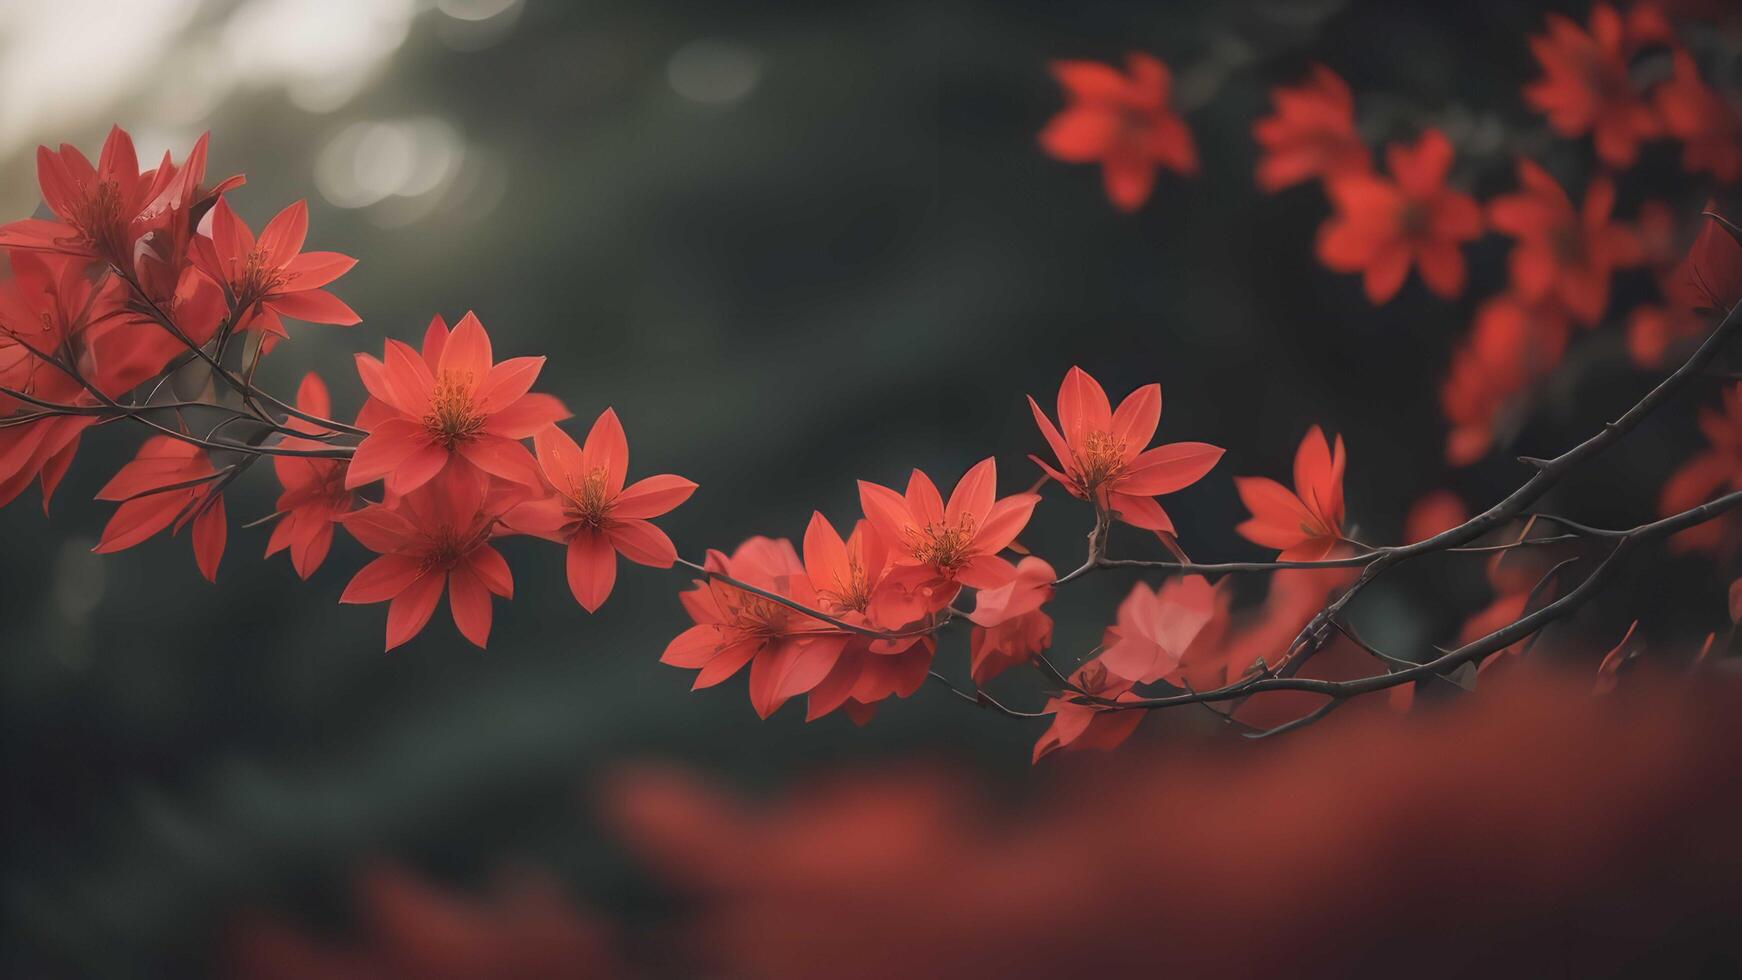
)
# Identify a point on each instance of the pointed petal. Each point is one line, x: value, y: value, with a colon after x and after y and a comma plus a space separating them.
x: 469, y: 602
x: 1083, y: 406
x: 607, y: 447
x: 1135, y: 421
x: 974, y: 493
x: 382, y: 579
x: 653, y: 496
x: 411, y: 609
x: 642, y: 543
x: 467, y: 352
x: 592, y: 569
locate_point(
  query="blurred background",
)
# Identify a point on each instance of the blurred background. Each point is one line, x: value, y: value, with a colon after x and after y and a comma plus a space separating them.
x: 793, y: 245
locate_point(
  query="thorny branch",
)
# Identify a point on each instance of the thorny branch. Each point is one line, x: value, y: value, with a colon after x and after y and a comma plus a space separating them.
x: 1373, y: 561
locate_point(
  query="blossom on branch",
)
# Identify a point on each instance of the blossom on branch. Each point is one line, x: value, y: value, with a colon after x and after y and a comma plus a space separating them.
x: 954, y: 544
x: 315, y: 496
x: 465, y: 405
x: 1157, y: 627
x: 1307, y: 523
x: 272, y: 276
x: 789, y: 653
x: 169, y: 483
x: 1009, y: 626
x: 1101, y: 452
x: 592, y: 512
x: 433, y: 539
x: 1079, y: 726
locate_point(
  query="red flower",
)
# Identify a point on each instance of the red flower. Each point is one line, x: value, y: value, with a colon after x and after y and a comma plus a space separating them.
x: 1709, y: 277
x: 1076, y: 727
x: 958, y: 543
x: 1715, y: 470
x: 314, y: 496
x: 98, y: 207
x: 851, y: 580
x: 1512, y: 344
x: 1560, y: 252
x: 464, y: 405
x: 170, y: 482
x: 1708, y: 126
x: 1585, y: 87
x: 437, y: 535
x: 1101, y: 452
x: 1382, y: 225
x: 272, y: 276
x: 1122, y: 122
x: 594, y: 512
x: 1009, y: 626
x: 50, y: 301
x: 1311, y: 134
x: 1156, y: 627
x: 1306, y: 525
x: 789, y: 653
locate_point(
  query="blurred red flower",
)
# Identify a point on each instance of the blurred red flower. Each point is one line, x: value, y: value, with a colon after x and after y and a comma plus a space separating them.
x: 523, y: 928
x: 1709, y: 128
x: 1716, y: 469
x: 1513, y: 343
x: 1009, y: 626
x: 1311, y: 134
x: 1560, y: 252
x: 1558, y: 833
x: 1156, y: 627
x: 1121, y: 121
x: 1382, y: 225
x: 1585, y: 86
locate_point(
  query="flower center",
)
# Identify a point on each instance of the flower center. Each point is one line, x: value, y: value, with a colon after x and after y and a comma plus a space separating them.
x: 1412, y: 220
x: 1568, y: 245
x: 590, y: 499
x: 98, y: 217
x: 1100, y: 458
x: 943, y: 546
x: 257, y: 278
x: 453, y: 417
x: 753, y: 614
x: 445, y: 546
x: 853, y: 592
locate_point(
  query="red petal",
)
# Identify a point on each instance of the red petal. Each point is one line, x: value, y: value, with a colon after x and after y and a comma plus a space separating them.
x: 411, y: 609
x: 592, y: 569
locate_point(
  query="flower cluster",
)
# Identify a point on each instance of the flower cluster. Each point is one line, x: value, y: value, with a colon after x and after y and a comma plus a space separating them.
x: 854, y: 621
x: 144, y: 273
x: 1621, y: 79
x: 146, y: 285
